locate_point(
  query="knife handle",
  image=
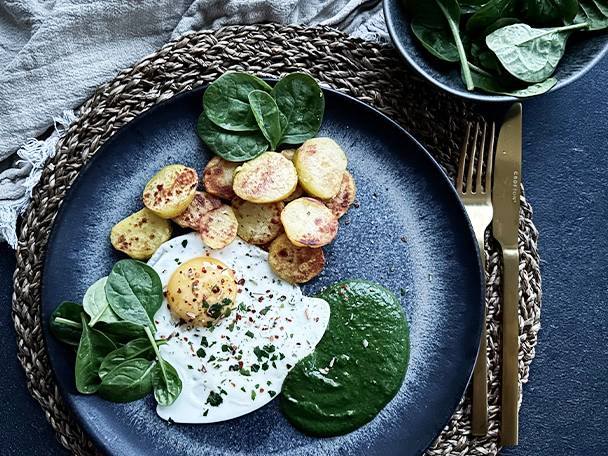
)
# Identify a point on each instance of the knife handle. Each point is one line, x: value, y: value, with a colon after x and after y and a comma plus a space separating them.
x: 510, y: 348
x: 479, y: 399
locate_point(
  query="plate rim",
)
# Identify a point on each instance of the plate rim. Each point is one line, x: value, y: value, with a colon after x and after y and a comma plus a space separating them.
x: 470, y: 238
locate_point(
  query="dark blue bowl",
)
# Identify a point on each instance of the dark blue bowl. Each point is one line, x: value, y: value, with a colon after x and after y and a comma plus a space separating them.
x: 582, y: 53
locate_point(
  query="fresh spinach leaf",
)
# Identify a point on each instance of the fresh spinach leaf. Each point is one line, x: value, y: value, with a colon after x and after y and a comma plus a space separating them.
x: 451, y: 12
x: 438, y: 41
x: 134, y: 292
x: 92, y: 349
x: 66, y: 323
x: 128, y: 381
x: 165, y: 379
x: 301, y: 101
x: 266, y: 113
x: 528, y: 53
x: 166, y: 382
x: 549, y: 12
x: 490, y: 84
x: 594, y: 13
x: 471, y: 6
x: 489, y: 14
x: 96, y: 305
x: 226, y: 103
x: 234, y: 146
x: 138, y: 348
x: 121, y: 331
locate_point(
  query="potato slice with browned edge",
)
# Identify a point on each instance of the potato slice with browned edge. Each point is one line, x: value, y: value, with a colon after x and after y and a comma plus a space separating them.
x: 140, y: 234
x: 171, y: 190
x: 340, y: 203
x: 265, y: 179
x: 292, y: 263
x: 295, y: 194
x: 320, y: 163
x: 218, y: 227
x: 309, y: 223
x: 258, y: 223
x: 288, y: 154
x: 218, y: 176
x: 202, y: 203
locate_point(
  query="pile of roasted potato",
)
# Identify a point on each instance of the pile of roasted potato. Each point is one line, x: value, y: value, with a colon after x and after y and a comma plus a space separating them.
x: 289, y: 203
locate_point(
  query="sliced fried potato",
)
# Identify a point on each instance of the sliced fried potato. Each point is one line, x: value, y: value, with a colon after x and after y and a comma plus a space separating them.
x: 295, y: 194
x: 309, y: 223
x: 265, y: 179
x: 140, y: 234
x: 292, y: 263
x: 258, y: 223
x: 218, y: 227
x: 171, y: 190
x: 218, y: 176
x: 320, y: 163
x: 340, y: 203
x: 288, y: 154
x: 202, y: 203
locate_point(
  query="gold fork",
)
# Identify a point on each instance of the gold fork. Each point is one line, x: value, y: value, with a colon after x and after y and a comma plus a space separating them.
x: 477, y: 199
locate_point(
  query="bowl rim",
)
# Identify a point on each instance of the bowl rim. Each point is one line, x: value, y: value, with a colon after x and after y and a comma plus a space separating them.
x: 389, y: 19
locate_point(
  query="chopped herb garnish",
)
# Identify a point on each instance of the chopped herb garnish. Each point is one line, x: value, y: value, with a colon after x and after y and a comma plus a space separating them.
x: 272, y: 393
x: 253, y: 394
x: 206, y: 412
x: 265, y: 310
x: 225, y: 348
x: 184, y: 242
x: 255, y: 367
x: 201, y: 353
x: 211, y: 358
x: 214, y: 399
x: 204, y: 342
x: 265, y: 366
x: 190, y: 366
x: 245, y: 372
x: 249, y: 334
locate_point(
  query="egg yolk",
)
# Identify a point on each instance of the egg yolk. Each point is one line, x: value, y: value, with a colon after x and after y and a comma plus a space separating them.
x: 202, y: 291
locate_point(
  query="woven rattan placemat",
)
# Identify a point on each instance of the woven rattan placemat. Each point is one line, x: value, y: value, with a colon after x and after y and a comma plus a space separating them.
x: 371, y: 72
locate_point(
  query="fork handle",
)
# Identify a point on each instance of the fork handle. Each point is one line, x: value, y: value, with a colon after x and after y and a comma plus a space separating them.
x: 479, y: 413
x: 510, y: 348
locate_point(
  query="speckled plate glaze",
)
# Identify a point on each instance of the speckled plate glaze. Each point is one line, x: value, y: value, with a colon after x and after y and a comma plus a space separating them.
x: 409, y: 233
x: 582, y: 53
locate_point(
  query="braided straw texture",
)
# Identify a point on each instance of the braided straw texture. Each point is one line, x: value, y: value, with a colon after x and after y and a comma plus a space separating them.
x: 370, y: 72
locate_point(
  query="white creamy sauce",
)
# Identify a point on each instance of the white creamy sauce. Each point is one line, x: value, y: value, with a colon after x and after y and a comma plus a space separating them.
x: 240, y: 364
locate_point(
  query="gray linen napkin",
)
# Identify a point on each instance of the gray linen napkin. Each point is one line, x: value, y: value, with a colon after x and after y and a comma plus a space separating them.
x: 54, y: 53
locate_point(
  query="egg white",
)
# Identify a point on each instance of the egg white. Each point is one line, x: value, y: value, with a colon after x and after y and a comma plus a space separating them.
x: 269, y: 312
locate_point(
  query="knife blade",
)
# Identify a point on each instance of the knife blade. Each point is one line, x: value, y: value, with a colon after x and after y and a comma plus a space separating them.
x: 505, y: 224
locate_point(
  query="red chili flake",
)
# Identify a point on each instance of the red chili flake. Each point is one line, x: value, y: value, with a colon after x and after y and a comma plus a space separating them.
x: 240, y: 364
x: 241, y: 282
x: 261, y: 390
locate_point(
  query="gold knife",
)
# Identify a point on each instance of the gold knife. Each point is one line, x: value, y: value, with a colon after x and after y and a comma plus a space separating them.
x: 505, y: 198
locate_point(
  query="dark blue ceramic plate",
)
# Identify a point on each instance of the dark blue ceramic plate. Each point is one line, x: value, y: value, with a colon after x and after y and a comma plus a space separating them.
x: 409, y: 233
x: 582, y: 52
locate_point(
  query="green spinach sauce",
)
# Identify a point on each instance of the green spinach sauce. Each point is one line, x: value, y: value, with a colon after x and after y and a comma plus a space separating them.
x: 358, y: 366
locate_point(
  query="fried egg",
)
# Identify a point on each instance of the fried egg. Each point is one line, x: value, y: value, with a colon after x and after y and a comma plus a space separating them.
x: 232, y: 347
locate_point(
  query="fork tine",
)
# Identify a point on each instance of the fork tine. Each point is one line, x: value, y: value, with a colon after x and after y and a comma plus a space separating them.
x: 490, y: 167
x: 463, y: 159
x: 469, y: 188
x: 480, y: 161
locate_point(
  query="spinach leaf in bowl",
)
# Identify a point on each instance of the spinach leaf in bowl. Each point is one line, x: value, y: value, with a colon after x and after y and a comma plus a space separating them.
x: 594, y: 13
x: 530, y: 54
